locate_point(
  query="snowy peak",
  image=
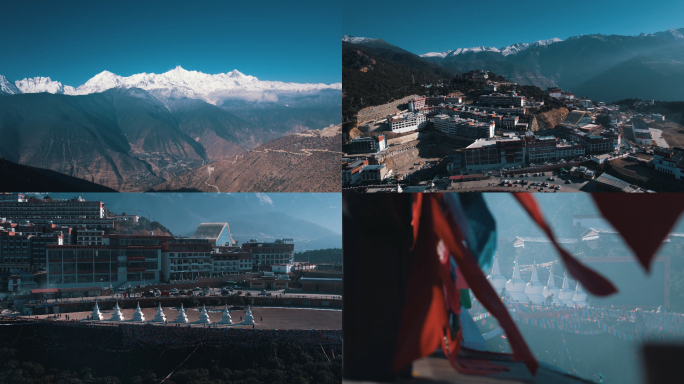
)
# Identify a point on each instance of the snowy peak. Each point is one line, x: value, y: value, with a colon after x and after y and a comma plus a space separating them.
x: 99, y: 83
x: 516, y: 48
x: 436, y: 54
x: 460, y: 51
x: 7, y: 87
x: 178, y: 82
x: 510, y: 50
x: 676, y: 34
x: 42, y: 84
x: 357, y: 40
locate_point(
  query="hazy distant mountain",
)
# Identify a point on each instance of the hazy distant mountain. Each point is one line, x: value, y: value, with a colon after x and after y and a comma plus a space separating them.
x: 131, y: 133
x: 601, y: 67
x: 314, y: 221
x: 223, y: 134
x: 122, y: 138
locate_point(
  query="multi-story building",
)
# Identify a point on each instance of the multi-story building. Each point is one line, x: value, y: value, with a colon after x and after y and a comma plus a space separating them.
x: 510, y: 99
x: 669, y: 160
x: 226, y: 263
x: 407, y: 122
x: 23, y: 246
x: 280, y: 251
x: 453, y: 99
x: 372, y: 144
x: 565, y: 150
x: 187, y: 258
x: 495, y: 153
x: 540, y: 149
x: 124, y: 217
x: 89, y: 236
x: 87, y: 265
x: 466, y: 128
x: 374, y: 173
x: 351, y: 174
x: 29, y: 208
x: 509, y: 122
x: 416, y: 104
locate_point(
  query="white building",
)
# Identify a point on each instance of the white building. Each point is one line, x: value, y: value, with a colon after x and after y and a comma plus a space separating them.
x: 534, y: 289
x: 468, y: 128
x: 580, y: 297
x: 416, y: 104
x: 670, y: 161
x: 351, y: 174
x: 496, y: 278
x: 503, y: 99
x: 515, y: 286
x: 566, y: 294
x: 374, y: 173
x: 551, y: 290
x: 407, y: 122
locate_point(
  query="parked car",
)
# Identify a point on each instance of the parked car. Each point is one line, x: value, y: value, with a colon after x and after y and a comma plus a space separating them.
x: 174, y: 291
x: 196, y: 289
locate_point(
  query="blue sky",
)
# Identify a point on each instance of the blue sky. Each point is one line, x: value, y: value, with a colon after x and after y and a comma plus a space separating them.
x: 437, y: 26
x: 71, y: 41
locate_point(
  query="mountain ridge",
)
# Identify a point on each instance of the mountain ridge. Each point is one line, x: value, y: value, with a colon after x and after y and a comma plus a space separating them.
x: 192, y: 84
x: 649, y: 60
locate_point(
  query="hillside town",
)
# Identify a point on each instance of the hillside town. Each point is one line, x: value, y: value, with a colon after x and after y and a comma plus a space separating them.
x: 489, y: 140
x: 73, y: 248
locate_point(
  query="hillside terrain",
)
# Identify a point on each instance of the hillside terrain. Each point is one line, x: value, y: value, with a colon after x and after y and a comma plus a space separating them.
x: 305, y: 161
x: 600, y: 67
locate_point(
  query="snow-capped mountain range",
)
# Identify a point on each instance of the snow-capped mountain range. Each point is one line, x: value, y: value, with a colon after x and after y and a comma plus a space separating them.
x: 191, y: 84
x: 505, y: 51
x: 357, y: 40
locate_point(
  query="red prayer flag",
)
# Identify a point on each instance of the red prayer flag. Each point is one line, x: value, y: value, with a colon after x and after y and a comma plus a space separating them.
x: 592, y: 281
x: 643, y: 226
x: 425, y: 316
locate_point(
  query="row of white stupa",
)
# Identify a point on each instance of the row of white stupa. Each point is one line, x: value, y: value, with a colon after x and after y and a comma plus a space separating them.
x: 518, y: 290
x: 160, y: 317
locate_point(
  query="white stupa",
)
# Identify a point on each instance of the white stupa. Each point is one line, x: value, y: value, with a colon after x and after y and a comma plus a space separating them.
x: 138, y: 315
x: 534, y: 288
x: 249, y: 319
x: 515, y: 287
x: 117, y: 316
x: 496, y: 279
x: 225, y: 318
x: 159, y: 317
x: 182, y: 317
x: 566, y: 294
x: 204, y: 316
x: 580, y: 297
x: 97, y: 315
x: 551, y: 289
